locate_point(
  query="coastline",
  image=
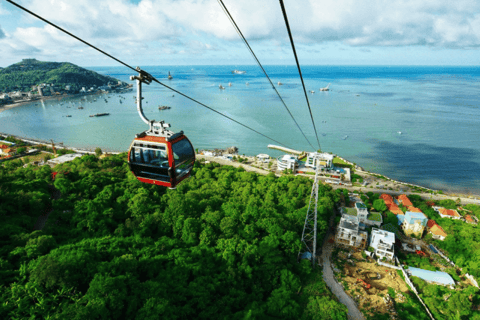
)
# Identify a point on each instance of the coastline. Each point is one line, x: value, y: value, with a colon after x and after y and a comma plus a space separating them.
x: 6, y: 107
x: 469, y: 198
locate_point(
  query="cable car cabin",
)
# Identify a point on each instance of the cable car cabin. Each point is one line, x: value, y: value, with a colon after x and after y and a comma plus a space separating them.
x: 160, y: 160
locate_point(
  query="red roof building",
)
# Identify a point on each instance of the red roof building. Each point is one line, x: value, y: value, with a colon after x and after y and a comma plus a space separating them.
x: 387, y: 198
x: 394, y: 208
x: 436, y: 231
x: 447, y: 213
x: 403, y: 199
x: 413, y: 209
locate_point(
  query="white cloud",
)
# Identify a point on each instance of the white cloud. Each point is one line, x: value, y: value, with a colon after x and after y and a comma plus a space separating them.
x: 199, y: 27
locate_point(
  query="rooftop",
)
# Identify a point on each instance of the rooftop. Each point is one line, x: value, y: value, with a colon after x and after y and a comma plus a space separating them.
x: 360, y: 205
x: 386, y: 236
x: 387, y: 198
x: 393, y: 208
x: 404, y: 200
x: 412, y: 217
x: 437, y: 230
x: 432, y: 276
x: 413, y: 209
x: 448, y: 212
x: 350, y: 211
x: 374, y: 216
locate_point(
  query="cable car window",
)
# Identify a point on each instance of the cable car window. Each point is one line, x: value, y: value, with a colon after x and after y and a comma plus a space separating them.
x: 184, y: 155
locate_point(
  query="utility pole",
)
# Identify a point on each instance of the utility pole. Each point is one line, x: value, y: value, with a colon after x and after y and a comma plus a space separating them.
x: 309, y: 235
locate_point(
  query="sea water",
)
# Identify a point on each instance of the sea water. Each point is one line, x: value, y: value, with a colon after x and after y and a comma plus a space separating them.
x: 414, y: 124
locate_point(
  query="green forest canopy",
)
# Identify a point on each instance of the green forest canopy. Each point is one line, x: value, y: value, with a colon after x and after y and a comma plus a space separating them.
x: 23, y: 75
x: 224, y: 244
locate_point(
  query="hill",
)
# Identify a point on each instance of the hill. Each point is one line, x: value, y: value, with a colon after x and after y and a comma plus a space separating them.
x: 223, y: 245
x: 23, y: 75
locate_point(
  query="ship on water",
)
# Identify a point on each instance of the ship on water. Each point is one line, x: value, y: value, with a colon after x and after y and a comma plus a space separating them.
x: 99, y: 114
x: 238, y: 71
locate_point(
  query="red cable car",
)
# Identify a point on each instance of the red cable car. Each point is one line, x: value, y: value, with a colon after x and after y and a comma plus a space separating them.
x: 159, y: 156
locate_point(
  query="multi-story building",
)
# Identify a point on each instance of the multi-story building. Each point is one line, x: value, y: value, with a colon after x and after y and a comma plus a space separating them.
x: 371, y: 219
x: 349, y: 233
x: 414, y: 223
x: 322, y: 160
x: 382, y: 242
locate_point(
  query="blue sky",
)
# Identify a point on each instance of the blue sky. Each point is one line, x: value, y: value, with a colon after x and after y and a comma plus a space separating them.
x: 190, y: 32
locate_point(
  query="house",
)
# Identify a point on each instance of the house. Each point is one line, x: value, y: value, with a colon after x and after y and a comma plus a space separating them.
x: 414, y: 223
x: 447, y: 213
x: 413, y: 209
x: 349, y: 234
x: 371, y: 219
x: 62, y: 159
x: 387, y: 198
x: 436, y: 231
x: 382, y: 242
x: 470, y: 219
x: 393, y: 208
x: 403, y: 199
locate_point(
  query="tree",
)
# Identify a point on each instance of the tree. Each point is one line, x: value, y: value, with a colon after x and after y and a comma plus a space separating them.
x: 380, y: 205
x: 98, y: 152
x: 21, y: 150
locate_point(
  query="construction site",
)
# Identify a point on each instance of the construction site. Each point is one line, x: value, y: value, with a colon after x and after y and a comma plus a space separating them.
x: 368, y: 283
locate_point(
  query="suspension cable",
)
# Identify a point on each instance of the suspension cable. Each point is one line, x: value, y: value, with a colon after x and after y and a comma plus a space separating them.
x: 260, y: 65
x: 134, y: 69
x: 298, y: 66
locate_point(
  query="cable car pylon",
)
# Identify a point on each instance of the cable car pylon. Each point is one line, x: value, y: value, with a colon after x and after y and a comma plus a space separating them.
x: 309, y: 234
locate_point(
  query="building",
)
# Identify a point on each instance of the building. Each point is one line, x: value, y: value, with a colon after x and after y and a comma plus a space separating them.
x: 62, y: 159
x: 382, y: 242
x: 469, y: 219
x: 262, y: 157
x: 436, y: 231
x: 435, y: 277
x: 349, y: 234
x: 387, y: 198
x: 447, y: 213
x: 322, y: 160
x: 413, y: 209
x: 403, y: 199
x: 414, y: 223
x: 371, y: 219
x: 393, y: 208
x: 287, y: 162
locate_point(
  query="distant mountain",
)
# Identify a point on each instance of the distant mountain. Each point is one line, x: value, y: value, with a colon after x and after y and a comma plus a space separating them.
x: 23, y: 75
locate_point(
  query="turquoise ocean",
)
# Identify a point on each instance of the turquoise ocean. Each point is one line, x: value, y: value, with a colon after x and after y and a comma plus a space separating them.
x: 414, y: 124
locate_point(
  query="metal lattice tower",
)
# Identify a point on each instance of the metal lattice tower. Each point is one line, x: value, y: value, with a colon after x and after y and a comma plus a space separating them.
x: 309, y: 235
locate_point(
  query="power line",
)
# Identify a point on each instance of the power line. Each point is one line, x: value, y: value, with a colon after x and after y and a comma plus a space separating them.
x: 298, y: 66
x: 260, y: 65
x: 134, y: 69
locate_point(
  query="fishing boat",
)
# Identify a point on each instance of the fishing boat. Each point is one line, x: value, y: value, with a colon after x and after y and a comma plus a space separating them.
x: 169, y: 76
x: 238, y: 72
x: 164, y: 108
x: 221, y: 87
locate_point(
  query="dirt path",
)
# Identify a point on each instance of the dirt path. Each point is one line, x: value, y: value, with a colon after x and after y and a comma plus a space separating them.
x: 42, y: 220
x: 353, y: 311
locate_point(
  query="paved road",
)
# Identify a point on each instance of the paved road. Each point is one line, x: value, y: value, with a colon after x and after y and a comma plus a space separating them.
x: 353, y: 311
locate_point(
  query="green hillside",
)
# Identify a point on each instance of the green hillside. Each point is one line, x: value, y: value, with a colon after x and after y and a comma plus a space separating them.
x: 223, y: 245
x: 23, y: 75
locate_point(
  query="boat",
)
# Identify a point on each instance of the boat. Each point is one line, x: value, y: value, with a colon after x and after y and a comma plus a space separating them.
x: 311, y: 91
x: 325, y: 88
x: 399, y: 132
x: 229, y: 84
x: 68, y: 116
x: 221, y: 87
x: 279, y: 83
x: 100, y: 114
x: 164, y: 108
x: 80, y: 108
x: 239, y: 72
x: 247, y: 83
x: 345, y: 138
x: 169, y: 76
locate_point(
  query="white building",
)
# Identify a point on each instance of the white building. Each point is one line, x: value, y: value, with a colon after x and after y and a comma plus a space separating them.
x: 322, y: 160
x: 349, y: 234
x: 382, y: 242
x: 263, y: 157
x: 287, y: 162
x: 62, y: 159
x: 371, y: 219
